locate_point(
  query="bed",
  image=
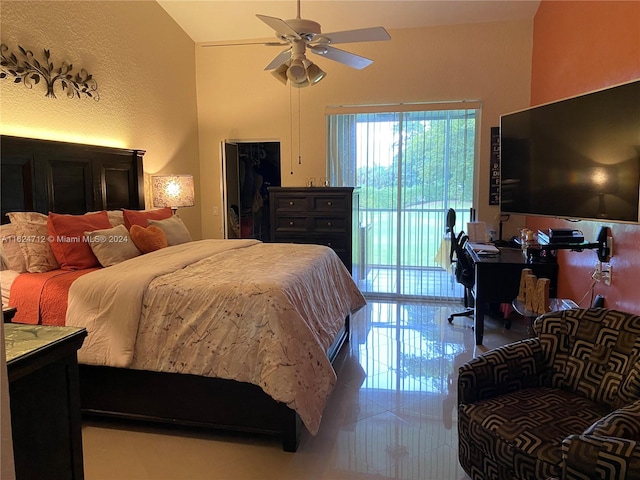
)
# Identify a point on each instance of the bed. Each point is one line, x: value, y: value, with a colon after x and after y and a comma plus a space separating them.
x: 152, y: 375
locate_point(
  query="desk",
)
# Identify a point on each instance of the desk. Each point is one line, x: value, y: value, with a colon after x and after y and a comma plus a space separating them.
x: 497, y: 280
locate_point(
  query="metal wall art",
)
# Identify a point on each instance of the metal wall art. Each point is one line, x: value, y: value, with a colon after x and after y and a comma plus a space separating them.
x: 24, y: 68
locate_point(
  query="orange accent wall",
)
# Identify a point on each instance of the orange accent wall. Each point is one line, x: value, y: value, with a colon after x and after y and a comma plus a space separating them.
x: 580, y: 46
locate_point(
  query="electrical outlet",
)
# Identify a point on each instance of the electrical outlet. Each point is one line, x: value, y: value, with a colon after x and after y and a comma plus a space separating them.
x: 597, y: 271
x: 606, y: 273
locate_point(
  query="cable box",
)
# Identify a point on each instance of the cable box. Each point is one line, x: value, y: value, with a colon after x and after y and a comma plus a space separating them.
x: 562, y: 235
x: 562, y: 232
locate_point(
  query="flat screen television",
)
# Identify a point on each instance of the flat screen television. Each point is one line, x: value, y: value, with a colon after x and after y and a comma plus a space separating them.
x: 577, y: 158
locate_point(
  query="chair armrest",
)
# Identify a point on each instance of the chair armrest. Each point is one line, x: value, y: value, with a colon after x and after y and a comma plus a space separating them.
x: 504, y: 369
x: 606, y: 458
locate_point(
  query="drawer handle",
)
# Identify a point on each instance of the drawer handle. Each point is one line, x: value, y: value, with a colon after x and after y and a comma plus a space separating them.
x: 329, y: 203
x: 291, y: 223
x: 290, y: 203
x: 329, y: 244
x: 328, y: 224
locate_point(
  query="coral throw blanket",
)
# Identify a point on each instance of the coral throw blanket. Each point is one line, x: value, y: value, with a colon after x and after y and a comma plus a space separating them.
x: 41, y: 298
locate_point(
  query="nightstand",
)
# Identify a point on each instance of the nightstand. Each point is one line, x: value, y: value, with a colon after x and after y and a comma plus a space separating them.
x: 8, y: 313
x: 42, y: 368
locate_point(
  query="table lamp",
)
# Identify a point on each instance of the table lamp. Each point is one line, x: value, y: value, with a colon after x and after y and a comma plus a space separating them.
x: 172, y: 191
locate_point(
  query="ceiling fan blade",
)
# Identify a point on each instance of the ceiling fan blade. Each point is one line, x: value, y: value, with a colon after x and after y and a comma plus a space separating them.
x: 349, y: 59
x: 279, y: 25
x: 281, y: 58
x: 247, y: 42
x: 372, y: 34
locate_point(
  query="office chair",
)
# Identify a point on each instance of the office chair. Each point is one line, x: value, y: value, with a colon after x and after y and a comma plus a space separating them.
x: 462, y: 265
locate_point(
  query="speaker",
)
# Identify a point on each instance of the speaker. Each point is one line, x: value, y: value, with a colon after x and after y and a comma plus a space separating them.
x: 598, y: 302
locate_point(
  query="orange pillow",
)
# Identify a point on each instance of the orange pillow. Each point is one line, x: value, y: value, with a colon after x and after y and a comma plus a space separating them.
x: 66, y: 236
x: 141, y: 217
x: 148, y: 239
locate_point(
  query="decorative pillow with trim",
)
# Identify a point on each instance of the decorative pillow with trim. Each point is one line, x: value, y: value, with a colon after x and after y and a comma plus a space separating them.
x: 116, y: 217
x: 20, y: 217
x: 10, y: 250
x: 174, y: 229
x: 32, y: 236
x: 142, y: 217
x: 112, y: 245
x: 148, y: 239
x: 68, y: 241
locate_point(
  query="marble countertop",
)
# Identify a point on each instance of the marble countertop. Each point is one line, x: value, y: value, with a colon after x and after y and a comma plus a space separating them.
x: 21, y: 339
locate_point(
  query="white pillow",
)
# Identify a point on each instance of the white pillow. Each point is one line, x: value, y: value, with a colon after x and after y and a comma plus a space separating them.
x: 112, y: 245
x: 174, y: 229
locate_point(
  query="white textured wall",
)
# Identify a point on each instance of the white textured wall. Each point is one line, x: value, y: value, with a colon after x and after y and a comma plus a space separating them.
x: 145, y: 68
x: 490, y: 62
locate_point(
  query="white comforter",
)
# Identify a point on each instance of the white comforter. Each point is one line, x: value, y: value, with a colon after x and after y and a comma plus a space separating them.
x: 237, y: 309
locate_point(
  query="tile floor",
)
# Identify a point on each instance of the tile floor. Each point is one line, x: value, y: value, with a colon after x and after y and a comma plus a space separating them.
x: 391, y: 416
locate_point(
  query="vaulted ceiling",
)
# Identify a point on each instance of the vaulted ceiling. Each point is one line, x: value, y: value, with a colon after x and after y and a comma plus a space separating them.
x: 228, y: 20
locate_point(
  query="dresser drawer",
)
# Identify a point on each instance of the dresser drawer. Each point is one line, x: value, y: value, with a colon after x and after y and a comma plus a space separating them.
x: 330, y: 203
x: 327, y: 224
x: 336, y: 242
x: 292, y: 224
x: 292, y: 203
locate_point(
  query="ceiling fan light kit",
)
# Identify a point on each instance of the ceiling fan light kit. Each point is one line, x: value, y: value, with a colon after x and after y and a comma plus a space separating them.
x: 299, y: 33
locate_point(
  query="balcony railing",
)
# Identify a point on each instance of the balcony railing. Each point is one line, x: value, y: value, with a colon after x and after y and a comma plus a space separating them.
x: 414, y: 262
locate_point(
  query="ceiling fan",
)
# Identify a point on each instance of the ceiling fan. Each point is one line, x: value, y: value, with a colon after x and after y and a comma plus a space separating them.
x: 300, y: 35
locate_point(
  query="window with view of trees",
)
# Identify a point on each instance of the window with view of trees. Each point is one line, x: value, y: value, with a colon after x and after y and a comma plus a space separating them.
x: 411, y: 165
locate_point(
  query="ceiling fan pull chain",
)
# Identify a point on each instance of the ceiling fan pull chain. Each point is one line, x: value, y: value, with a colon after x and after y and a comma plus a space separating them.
x: 299, y: 129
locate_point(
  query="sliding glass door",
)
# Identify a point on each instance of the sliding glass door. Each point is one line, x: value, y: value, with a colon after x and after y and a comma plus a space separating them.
x: 410, y: 165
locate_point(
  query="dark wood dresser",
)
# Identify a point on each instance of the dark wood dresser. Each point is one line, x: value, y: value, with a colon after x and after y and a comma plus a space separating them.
x: 45, y: 400
x: 319, y: 215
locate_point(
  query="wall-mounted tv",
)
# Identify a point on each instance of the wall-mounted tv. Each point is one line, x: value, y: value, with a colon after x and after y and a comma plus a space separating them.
x: 577, y: 158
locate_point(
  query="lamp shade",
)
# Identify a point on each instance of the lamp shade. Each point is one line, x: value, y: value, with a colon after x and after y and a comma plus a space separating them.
x: 315, y: 73
x: 172, y: 191
x: 281, y: 73
x: 297, y: 73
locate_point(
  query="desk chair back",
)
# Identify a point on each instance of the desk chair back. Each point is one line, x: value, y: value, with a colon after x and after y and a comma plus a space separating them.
x: 464, y: 270
x: 462, y: 264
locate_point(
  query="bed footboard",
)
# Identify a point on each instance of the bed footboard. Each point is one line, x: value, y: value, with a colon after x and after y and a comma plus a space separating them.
x: 191, y: 400
x: 186, y: 400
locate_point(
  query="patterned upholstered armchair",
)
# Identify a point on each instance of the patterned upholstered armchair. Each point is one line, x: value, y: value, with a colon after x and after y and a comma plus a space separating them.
x: 565, y: 404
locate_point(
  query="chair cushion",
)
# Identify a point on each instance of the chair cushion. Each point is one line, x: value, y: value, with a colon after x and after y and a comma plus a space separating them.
x: 523, y: 431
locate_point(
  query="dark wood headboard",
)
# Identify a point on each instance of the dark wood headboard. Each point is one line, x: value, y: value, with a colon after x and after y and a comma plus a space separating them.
x: 48, y: 176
